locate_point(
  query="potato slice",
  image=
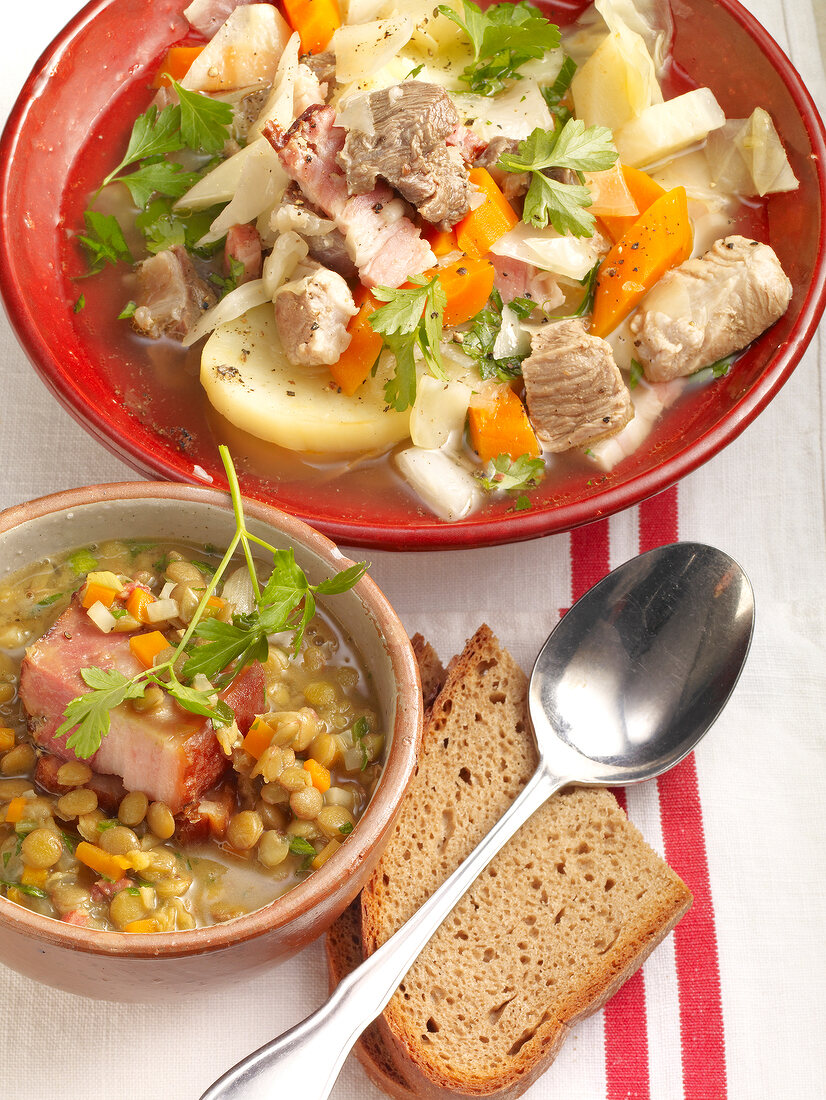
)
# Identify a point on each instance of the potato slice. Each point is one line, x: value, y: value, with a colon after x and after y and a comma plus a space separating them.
x: 249, y: 381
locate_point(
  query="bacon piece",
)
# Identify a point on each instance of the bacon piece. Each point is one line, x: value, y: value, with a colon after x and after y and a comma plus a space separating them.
x: 469, y: 144
x: 516, y: 279
x: 109, y: 788
x: 170, y: 754
x: 384, y: 244
x: 244, y: 245
x: 207, y: 818
x: 77, y: 917
x: 103, y: 888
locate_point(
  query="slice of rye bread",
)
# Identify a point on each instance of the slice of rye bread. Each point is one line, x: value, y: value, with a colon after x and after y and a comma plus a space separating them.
x: 562, y: 917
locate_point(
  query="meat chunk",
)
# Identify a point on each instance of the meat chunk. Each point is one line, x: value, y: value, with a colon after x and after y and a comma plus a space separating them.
x: 244, y: 246
x: 323, y: 65
x: 171, y: 295
x: 312, y: 314
x: 709, y: 307
x: 325, y: 242
x: 109, y: 788
x: 170, y: 754
x: 467, y: 141
x: 382, y: 242
x: 574, y: 390
x: 406, y: 146
x: 208, y: 817
x: 516, y: 279
x: 206, y: 16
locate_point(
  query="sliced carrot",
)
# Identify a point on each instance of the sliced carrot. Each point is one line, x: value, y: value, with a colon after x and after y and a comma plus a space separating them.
x: 441, y: 241
x: 145, y: 925
x: 467, y: 284
x: 136, y: 605
x: 483, y: 227
x: 364, y: 348
x: 175, y: 65
x: 315, y: 21
x: 643, y: 190
x: 6, y: 739
x: 258, y: 738
x: 499, y: 425
x: 329, y: 849
x: 98, y: 593
x: 15, y: 810
x: 146, y: 647
x: 214, y: 606
x: 33, y: 876
x: 658, y: 240
x: 110, y: 866
x: 319, y: 775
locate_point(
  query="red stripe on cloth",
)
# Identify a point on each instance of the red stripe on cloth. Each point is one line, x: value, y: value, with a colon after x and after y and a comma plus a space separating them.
x: 589, y: 557
x: 626, y: 1032
x: 625, y: 1020
x: 695, y: 937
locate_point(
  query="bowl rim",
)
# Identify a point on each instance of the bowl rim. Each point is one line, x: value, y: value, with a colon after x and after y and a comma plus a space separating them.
x: 434, y: 534
x: 381, y: 810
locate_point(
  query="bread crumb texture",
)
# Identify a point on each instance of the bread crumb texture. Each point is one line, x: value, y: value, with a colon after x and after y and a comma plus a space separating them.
x: 565, y: 913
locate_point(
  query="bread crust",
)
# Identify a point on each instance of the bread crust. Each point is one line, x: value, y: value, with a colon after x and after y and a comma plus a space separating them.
x: 563, y: 916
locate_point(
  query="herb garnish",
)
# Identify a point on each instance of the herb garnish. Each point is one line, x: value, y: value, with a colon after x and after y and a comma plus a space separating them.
x: 225, y: 285
x: 286, y: 602
x: 636, y: 374
x: 554, y: 94
x: 361, y: 728
x: 503, y: 38
x: 575, y: 147
x: 47, y: 601
x: 103, y: 241
x: 301, y: 847
x: 128, y: 311
x: 346, y: 828
x: 29, y: 891
x: 478, y: 343
x: 714, y: 370
x: 80, y: 304
x: 509, y: 473
x: 411, y: 319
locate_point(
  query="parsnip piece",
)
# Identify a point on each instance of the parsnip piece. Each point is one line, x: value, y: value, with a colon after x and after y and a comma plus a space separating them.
x: 244, y: 52
x: 666, y: 128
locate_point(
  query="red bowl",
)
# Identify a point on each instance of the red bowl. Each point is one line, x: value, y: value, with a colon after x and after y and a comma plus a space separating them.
x: 158, y: 420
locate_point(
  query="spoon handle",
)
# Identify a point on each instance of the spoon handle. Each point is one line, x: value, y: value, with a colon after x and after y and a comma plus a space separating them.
x: 310, y: 1055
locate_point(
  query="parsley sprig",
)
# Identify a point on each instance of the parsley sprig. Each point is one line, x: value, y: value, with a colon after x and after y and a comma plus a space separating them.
x: 411, y: 319
x: 479, y: 341
x: 503, y: 38
x: 511, y: 474
x: 574, y: 146
x: 556, y: 92
x: 286, y: 602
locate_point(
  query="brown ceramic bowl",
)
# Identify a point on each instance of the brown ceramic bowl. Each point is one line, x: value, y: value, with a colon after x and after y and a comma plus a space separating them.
x: 128, y: 967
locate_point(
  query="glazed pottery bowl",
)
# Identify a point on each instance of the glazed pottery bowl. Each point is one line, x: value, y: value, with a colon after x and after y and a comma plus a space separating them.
x: 68, y: 129
x: 141, y: 967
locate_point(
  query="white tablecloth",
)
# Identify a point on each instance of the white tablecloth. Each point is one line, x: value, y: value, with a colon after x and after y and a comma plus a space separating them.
x: 732, y: 1007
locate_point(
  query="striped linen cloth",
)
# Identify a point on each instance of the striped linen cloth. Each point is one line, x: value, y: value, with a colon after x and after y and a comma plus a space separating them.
x: 729, y: 1006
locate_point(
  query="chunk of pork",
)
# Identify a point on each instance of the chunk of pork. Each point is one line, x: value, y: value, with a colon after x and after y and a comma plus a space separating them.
x: 406, y: 146
x: 709, y: 307
x: 312, y: 314
x: 574, y: 390
x: 171, y: 295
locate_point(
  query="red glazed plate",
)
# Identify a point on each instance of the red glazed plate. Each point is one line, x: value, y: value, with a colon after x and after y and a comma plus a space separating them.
x: 158, y: 420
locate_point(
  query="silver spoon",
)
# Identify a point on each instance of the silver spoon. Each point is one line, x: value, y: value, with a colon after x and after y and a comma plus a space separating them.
x: 624, y: 688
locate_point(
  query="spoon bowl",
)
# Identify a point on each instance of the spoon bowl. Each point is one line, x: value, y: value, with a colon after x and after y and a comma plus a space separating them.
x: 626, y: 685
x: 636, y: 673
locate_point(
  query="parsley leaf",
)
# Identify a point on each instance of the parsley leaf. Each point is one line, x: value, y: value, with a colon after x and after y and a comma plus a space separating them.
x: 205, y: 122
x: 478, y: 343
x: 715, y: 370
x: 159, y: 177
x: 636, y: 375
x: 225, y: 285
x: 79, y: 304
x: 346, y: 828
x: 412, y: 318
x: 152, y: 135
x: 342, y: 581
x: 503, y: 37
x: 509, y: 473
x: 90, y: 712
x: 47, y: 601
x: 162, y: 226
x: 103, y: 241
x: 521, y: 504
x: 554, y: 94
x: 29, y: 891
x: 128, y: 311
x: 575, y: 147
